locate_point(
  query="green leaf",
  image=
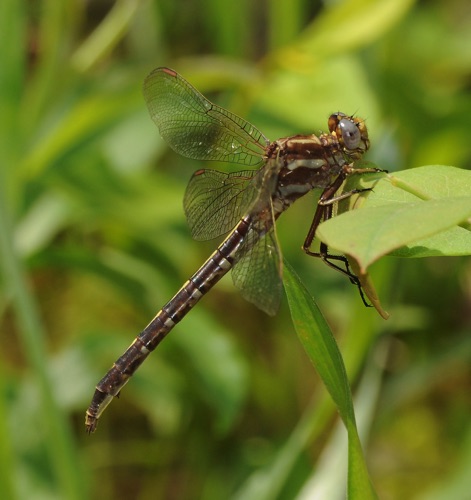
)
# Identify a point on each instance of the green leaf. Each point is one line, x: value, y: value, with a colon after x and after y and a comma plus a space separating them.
x: 319, y: 344
x: 425, y: 183
x: 415, y: 213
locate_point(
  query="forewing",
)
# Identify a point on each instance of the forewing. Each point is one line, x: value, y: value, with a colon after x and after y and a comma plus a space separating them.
x: 257, y: 271
x: 195, y: 127
x: 215, y: 201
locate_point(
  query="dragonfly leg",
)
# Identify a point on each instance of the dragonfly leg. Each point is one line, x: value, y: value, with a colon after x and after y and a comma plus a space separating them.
x: 324, y: 212
x: 342, y: 196
x: 328, y: 198
x: 327, y: 258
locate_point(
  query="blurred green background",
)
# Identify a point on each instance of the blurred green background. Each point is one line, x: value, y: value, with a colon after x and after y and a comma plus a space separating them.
x: 94, y: 242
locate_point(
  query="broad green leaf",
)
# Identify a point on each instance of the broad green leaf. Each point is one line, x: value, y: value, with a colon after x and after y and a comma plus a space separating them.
x: 319, y: 344
x: 386, y: 228
x: 416, y: 213
x: 428, y: 182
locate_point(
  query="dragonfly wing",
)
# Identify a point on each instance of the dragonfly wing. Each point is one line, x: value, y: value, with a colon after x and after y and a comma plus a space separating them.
x: 195, y: 127
x: 215, y: 201
x: 257, y: 270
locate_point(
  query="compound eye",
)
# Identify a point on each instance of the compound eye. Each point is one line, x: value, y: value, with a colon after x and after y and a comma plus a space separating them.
x: 351, y: 135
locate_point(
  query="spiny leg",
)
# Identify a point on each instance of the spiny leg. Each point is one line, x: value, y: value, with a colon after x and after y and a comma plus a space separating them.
x: 324, y: 212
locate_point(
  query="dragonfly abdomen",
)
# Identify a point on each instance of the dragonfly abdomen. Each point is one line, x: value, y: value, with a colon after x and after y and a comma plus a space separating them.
x: 217, y: 265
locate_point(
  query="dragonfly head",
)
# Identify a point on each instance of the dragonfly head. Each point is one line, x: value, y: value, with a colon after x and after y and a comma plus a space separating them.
x: 351, y: 132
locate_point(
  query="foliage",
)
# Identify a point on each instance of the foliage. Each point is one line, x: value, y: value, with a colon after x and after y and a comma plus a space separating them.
x: 93, y: 241
x: 414, y: 213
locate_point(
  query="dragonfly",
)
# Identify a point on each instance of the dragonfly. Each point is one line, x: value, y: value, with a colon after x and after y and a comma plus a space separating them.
x: 244, y: 205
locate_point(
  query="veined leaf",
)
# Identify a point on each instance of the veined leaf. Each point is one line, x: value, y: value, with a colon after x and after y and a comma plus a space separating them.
x: 414, y: 213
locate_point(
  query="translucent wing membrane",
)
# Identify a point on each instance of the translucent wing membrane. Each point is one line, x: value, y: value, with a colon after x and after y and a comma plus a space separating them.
x: 195, y: 127
x: 257, y: 271
x: 215, y: 201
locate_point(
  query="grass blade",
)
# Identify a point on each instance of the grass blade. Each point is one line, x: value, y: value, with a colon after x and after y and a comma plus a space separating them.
x: 319, y: 344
